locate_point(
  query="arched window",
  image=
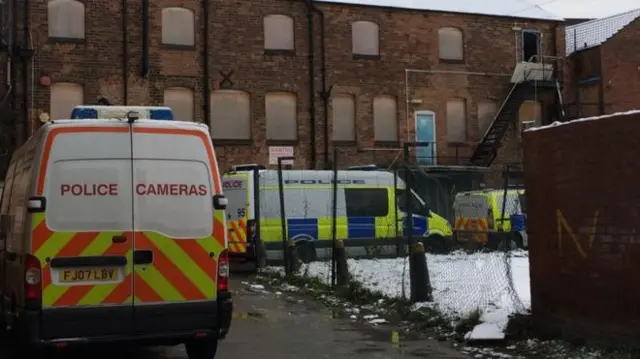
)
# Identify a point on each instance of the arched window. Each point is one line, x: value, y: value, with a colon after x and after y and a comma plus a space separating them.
x: 230, y: 115
x: 365, y: 38
x: 64, y: 96
x: 178, y: 26
x: 451, y: 46
x: 343, y: 113
x: 66, y: 19
x: 385, y: 119
x: 456, y: 120
x: 281, y: 116
x: 180, y: 99
x: 278, y: 32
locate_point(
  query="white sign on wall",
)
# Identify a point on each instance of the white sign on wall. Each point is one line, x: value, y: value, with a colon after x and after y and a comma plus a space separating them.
x: 276, y: 152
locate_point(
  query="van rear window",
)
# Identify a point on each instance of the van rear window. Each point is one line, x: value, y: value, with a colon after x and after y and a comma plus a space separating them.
x: 173, y: 197
x: 89, y: 195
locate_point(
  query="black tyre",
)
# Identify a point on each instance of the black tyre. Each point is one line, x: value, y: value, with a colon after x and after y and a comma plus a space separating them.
x: 512, y: 241
x: 436, y: 244
x: 202, y: 349
x: 306, y: 252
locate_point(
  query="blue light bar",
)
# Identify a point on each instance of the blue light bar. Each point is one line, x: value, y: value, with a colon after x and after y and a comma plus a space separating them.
x: 111, y: 112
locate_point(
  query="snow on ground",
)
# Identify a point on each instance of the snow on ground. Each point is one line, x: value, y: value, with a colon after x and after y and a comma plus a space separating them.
x: 461, y: 282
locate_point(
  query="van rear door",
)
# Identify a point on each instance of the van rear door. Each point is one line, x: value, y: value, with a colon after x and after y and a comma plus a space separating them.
x: 178, y: 236
x: 236, y: 189
x: 83, y: 237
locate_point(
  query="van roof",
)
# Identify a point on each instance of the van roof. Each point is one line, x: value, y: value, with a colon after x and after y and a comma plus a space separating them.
x: 146, y: 122
x: 380, y: 178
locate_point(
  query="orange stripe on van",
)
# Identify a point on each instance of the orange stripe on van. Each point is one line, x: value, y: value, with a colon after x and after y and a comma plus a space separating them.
x: 199, y: 256
x: 144, y: 292
x: 120, y: 294
x: 39, y: 235
x: 169, y: 270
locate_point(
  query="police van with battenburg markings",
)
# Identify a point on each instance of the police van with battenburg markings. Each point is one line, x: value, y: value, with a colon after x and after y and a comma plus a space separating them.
x: 114, y: 230
x: 370, y: 213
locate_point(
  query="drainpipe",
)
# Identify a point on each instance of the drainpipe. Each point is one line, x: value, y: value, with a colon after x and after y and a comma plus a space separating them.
x: 125, y: 55
x: 325, y: 93
x: 312, y: 105
x: 205, y: 63
x: 27, y: 53
x: 144, y: 68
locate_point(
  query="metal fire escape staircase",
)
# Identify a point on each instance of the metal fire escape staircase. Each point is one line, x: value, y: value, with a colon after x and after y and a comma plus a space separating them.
x: 528, y: 77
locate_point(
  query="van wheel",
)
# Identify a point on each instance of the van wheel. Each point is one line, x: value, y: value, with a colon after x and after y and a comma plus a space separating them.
x: 202, y: 349
x: 511, y: 242
x: 436, y: 244
x: 306, y: 252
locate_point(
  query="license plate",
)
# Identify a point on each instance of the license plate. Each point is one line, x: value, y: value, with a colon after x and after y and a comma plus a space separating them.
x: 88, y: 275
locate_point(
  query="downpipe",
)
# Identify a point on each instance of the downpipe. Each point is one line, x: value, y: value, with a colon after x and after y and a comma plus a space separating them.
x: 27, y: 52
x: 144, y: 66
x: 325, y: 93
x: 205, y: 62
x: 125, y: 55
x: 312, y: 87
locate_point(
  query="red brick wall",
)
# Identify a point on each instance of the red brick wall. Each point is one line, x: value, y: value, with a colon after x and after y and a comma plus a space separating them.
x: 621, y: 60
x: 581, y: 179
x: 407, y: 40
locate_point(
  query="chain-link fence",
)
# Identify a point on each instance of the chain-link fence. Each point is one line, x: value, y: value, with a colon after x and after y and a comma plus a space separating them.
x: 471, y: 221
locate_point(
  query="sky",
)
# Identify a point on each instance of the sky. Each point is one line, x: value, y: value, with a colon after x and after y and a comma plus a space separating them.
x: 587, y: 8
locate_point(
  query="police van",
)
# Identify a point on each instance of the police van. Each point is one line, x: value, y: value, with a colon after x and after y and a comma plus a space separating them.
x: 369, y: 213
x: 114, y: 230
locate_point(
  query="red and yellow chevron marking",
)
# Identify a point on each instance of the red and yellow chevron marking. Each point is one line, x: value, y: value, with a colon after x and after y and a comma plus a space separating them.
x: 481, y: 230
x: 182, y: 269
x: 237, y: 236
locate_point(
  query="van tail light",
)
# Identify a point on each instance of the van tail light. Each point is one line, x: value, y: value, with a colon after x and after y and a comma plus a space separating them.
x: 32, y: 278
x: 490, y: 221
x: 223, y: 271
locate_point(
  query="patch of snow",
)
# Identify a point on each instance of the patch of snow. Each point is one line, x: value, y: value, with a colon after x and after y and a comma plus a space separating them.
x: 462, y: 283
x: 594, y: 118
x: 377, y: 321
x: 485, y: 331
x: 370, y: 316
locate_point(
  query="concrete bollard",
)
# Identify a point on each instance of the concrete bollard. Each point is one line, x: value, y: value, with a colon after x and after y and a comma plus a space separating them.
x: 342, y: 268
x: 292, y: 264
x: 420, y: 282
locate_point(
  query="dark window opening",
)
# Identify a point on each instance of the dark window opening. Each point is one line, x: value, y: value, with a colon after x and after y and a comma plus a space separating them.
x: 416, y: 206
x: 530, y: 45
x: 367, y: 202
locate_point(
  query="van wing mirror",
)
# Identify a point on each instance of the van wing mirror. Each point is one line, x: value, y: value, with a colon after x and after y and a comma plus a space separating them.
x: 220, y: 202
x: 36, y: 204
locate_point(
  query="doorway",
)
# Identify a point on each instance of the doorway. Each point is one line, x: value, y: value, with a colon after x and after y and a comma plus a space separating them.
x: 426, y: 132
x: 530, y: 45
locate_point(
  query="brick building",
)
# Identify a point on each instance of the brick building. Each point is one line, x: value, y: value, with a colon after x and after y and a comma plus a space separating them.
x: 603, y: 65
x: 249, y: 71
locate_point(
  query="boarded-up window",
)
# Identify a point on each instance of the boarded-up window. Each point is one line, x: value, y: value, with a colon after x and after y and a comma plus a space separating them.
x: 486, y: 114
x: 230, y: 115
x: 66, y: 19
x: 180, y: 100
x: 456, y: 120
x: 281, y: 114
x: 530, y: 111
x: 344, y: 117
x: 278, y: 32
x: 64, y: 97
x: 385, y: 119
x: 364, y: 37
x: 451, y: 45
x: 178, y: 26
